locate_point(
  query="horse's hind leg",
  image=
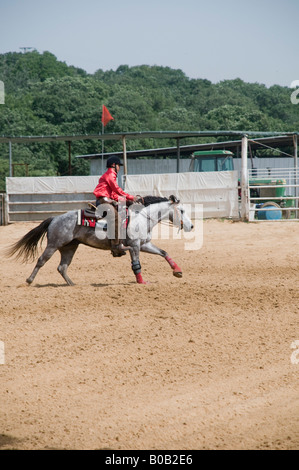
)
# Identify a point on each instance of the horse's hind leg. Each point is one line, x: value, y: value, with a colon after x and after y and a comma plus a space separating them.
x: 136, y: 266
x: 67, y: 253
x: 49, y: 251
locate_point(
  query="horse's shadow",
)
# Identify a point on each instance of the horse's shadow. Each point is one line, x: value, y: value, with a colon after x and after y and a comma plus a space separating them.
x: 50, y: 284
x: 99, y: 285
x: 107, y: 284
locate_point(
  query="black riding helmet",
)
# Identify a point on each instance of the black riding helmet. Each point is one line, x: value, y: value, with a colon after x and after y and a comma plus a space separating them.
x: 112, y: 160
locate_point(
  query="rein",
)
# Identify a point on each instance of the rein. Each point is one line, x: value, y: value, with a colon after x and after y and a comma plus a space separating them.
x: 177, y: 217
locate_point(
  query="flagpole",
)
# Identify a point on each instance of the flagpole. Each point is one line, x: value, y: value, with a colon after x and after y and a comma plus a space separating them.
x: 102, y: 149
x: 106, y: 117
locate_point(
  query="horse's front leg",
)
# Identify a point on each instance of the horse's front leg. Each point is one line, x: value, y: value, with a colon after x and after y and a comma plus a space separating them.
x: 136, y: 266
x: 150, y: 248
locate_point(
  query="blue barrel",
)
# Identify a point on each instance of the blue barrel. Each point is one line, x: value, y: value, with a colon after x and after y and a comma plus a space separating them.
x: 271, y: 214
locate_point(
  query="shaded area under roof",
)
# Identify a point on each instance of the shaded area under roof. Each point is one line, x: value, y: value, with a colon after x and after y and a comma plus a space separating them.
x: 139, y: 135
x: 280, y: 141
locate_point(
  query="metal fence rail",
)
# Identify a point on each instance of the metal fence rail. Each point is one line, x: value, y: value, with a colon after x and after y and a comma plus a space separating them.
x: 39, y: 207
x: 273, y: 194
x: 35, y: 199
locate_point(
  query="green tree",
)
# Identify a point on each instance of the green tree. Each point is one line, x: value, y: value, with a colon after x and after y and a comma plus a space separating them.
x: 44, y: 96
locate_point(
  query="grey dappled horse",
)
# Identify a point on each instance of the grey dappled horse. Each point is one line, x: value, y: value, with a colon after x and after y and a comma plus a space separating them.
x: 64, y: 234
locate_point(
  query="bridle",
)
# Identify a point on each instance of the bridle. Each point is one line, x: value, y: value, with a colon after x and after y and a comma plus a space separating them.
x: 177, y: 219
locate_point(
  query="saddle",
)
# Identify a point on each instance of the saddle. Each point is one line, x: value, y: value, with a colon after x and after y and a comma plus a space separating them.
x: 90, y: 213
x: 88, y: 217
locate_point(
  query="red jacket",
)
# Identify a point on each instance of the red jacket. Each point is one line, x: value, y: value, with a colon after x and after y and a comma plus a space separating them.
x: 108, y: 187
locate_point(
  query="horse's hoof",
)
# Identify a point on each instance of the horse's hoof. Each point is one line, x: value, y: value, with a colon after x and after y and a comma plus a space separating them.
x: 28, y: 281
x: 178, y: 273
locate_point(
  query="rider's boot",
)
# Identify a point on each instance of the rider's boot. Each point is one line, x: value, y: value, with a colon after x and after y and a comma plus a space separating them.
x: 117, y: 248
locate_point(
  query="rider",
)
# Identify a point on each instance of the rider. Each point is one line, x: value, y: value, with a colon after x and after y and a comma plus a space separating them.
x: 108, y: 192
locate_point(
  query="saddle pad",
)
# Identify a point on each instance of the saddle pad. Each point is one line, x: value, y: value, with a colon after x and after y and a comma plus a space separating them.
x: 92, y: 222
x: 85, y: 221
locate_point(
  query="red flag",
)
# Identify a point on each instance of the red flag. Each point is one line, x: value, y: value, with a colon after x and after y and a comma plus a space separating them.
x: 106, y: 116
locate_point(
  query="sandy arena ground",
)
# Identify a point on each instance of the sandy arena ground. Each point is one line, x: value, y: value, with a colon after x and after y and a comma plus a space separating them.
x: 202, y: 362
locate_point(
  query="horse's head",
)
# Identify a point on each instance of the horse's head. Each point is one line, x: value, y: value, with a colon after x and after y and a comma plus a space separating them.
x: 178, y: 216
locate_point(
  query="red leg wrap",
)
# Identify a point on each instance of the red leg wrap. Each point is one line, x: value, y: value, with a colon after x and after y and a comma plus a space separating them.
x: 139, y: 279
x: 177, y: 272
x: 172, y: 263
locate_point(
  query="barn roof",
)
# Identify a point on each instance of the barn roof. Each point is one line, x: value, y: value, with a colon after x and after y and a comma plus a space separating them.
x: 280, y: 141
x: 138, y: 135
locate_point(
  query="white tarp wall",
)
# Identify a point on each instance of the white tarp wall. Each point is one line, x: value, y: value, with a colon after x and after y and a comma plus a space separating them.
x: 51, y: 185
x: 216, y: 191
x: 36, y: 198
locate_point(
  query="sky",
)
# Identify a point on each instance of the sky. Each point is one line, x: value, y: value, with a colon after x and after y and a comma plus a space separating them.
x: 255, y: 40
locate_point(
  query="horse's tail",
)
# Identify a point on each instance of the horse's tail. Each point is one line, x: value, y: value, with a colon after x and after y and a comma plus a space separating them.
x: 26, y: 247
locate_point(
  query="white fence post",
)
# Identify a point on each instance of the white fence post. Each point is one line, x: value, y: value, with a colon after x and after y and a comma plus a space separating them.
x: 295, y: 139
x: 244, y: 180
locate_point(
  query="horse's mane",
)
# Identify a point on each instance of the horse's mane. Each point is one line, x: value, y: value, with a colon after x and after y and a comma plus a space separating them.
x: 148, y: 200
